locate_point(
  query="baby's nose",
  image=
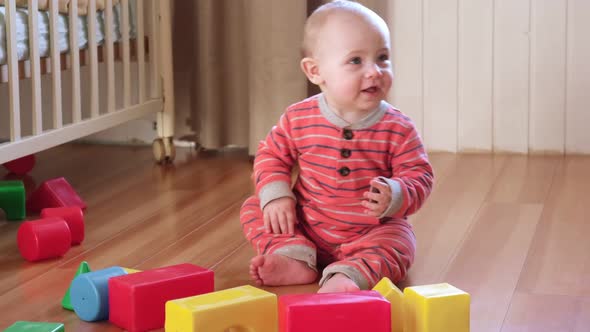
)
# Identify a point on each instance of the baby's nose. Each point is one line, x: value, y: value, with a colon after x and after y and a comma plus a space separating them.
x: 373, y: 70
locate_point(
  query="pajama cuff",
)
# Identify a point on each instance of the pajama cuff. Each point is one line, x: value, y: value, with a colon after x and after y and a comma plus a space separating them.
x: 274, y: 190
x: 300, y: 253
x: 352, y: 273
x: 397, y: 198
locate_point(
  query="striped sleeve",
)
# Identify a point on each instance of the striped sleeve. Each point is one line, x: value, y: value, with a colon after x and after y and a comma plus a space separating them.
x: 413, y: 176
x: 273, y: 163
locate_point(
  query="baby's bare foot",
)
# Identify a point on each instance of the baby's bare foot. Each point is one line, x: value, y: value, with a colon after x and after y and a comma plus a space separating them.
x: 279, y: 270
x: 339, y: 283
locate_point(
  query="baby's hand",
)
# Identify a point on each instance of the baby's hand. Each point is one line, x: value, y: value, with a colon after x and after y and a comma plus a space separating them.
x: 378, y: 198
x: 279, y: 216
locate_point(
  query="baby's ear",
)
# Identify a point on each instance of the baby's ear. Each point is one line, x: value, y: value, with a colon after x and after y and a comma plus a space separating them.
x: 311, y: 70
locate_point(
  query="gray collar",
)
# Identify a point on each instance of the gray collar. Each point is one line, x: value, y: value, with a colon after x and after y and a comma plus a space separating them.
x: 366, y: 122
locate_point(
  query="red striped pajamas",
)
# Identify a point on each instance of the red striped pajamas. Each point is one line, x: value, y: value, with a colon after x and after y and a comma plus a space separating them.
x: 337, y: 161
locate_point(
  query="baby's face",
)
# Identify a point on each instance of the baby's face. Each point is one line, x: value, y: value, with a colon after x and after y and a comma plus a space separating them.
x: 353, y: 60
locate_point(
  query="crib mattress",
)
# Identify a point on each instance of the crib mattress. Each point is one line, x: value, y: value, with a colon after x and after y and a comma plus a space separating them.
x: 22, y: 34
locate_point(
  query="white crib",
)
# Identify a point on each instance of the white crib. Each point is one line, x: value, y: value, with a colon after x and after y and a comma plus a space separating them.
x: 143, y: 82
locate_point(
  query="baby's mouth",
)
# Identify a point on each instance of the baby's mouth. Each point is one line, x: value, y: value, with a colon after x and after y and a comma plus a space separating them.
x: 372, y: 89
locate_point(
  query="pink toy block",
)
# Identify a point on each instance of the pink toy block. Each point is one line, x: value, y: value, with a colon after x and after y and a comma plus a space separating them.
x: 137, y: 301
x: 343, y: 312
x: 73, y: 215
x: 54, y: 193
x: 21, y: 166
x: 43, y: 238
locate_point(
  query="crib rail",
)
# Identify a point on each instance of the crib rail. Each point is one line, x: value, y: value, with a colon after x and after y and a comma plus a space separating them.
x: 102, y: 114
x: 35, y: 64
x: 13, y: 88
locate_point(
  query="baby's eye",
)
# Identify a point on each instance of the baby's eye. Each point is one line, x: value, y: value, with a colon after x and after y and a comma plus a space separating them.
x: 356, y: 60
x: 383, y: 57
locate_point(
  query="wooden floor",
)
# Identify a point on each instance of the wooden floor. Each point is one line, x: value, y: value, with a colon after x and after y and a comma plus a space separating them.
x: 513, y: 231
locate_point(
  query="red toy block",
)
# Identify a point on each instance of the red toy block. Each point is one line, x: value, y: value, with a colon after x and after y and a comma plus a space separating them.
x: 343, y: 312
x: 54, y: 193
x: 21, y: 166
x: 73, y: 215
x: 137, y: 301
x: 43, y: 238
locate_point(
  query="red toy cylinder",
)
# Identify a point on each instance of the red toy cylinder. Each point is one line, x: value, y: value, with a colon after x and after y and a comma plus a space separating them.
x: 43, y: 238
x: 73, y: 215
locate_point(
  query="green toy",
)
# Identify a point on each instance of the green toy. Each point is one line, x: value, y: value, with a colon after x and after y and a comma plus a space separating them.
x: 22, y: 326
x: 65, y: 302
x: 12, y: 199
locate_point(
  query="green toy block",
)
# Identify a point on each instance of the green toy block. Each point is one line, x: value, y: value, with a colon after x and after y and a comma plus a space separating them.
x: 66, y: 302
x: 12, y: 199
x: 22, y: 326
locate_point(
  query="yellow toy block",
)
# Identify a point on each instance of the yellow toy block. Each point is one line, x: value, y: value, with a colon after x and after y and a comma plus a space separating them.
x: 130, y: 271
x: 244, y: 308
x: 395, y: 296
x: 436, y: 308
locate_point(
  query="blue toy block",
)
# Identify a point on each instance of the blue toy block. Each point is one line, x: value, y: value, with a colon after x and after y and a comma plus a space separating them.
x: 89, y: 293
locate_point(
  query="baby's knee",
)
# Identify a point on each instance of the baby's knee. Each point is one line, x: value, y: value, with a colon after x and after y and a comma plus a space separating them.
x: 250, y: 203
x: 250, y: 208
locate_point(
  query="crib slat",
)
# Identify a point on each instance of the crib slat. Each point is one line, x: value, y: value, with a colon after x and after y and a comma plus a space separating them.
x: 93, y: 54
x: 156, y: 89
x: 37, y: 116
x: 55, y: 64
x: 140, y: 51
x: 166, y: 121
x: 75, y: 61
x: 126, y: 54
x: 110, y: 56
x: 13, y: 89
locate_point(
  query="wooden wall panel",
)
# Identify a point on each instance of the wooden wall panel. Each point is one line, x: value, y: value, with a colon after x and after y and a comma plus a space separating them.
x: 577, y: 135
x: 440, y: 74
x: 511, y: 75
x: 494, y: 75
x: 475, y: 119
x: 405, y: 23
x: 548, y: 76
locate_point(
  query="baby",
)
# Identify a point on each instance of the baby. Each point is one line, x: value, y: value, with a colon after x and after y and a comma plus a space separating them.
x: 363, y: 167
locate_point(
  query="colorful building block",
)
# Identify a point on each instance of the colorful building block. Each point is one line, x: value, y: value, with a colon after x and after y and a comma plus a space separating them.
x: 73, y: 215
x: 343, y: 312
x: 22, y: 326
x: 129, y: 271
x: 43, y: 238
x: 54, y: 193
x: 12, y: 199
x: 27, y: 180
x: 396, y: 298
x: 89, y: 293
x: 244, y: 308
x: 436, y: 308
x: 66, y: 302
x: 137, y: 301
x: 21, y: 166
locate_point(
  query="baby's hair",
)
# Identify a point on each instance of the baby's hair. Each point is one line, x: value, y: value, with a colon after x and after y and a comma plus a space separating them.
x: 317, y: 19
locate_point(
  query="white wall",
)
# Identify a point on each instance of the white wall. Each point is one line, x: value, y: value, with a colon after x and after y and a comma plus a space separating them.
x: 494, y: 75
